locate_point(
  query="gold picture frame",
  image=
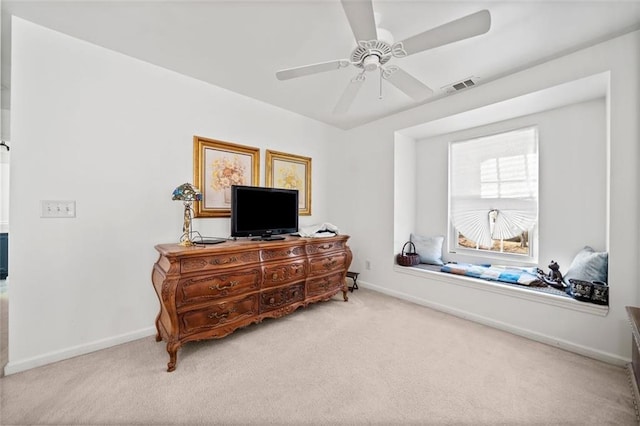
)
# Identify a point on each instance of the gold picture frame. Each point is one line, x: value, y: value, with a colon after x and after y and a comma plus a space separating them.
x: 216, y: 166
x: 290, y: 172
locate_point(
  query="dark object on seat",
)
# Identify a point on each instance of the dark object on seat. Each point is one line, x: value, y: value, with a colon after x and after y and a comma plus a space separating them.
x: 554, y: 279
x: 408, y: 257
x: 590, y: 291
x: 555, y: 273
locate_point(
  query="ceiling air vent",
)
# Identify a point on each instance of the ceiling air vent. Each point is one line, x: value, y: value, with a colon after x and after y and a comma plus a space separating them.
x: 461, y: 85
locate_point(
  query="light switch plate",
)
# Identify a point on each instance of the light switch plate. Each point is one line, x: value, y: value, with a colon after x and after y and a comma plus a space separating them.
x: 58, y: 208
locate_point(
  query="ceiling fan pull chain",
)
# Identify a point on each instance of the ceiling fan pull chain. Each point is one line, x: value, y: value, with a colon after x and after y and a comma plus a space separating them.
x: 381, y: 72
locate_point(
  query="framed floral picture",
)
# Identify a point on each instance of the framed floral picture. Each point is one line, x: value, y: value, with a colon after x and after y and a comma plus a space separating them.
x: 216, y: 166
x: 291, y: 172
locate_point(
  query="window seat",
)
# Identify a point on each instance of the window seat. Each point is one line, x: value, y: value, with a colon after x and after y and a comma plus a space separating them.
x: 547, y: 295
x: 544, y: 289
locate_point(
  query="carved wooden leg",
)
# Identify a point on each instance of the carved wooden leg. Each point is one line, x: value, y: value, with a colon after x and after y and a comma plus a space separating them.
x: 345, y: 289
x: 158, y: 335
x: 172, y: 348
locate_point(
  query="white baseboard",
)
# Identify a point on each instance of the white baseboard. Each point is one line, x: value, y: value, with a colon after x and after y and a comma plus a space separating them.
x: 51, y: 357
x: 529, y: 334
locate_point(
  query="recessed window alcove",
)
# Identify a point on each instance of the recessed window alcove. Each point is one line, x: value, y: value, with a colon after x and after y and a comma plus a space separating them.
x: 574, y: 169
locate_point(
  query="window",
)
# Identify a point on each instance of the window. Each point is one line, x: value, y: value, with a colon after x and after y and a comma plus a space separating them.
x: 493, y: 194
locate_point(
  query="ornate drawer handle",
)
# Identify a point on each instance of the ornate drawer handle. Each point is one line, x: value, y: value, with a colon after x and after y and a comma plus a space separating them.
x: 224, y: 287
x: 326, y: 246
x: 223, y: 261
x: 223, y: 315
x: 330, y: 263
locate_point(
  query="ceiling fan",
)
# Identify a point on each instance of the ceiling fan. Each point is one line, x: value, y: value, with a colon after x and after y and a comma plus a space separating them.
x: 375, y: 49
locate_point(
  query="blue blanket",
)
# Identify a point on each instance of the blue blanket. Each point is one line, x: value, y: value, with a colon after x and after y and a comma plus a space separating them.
x: 507, y: 274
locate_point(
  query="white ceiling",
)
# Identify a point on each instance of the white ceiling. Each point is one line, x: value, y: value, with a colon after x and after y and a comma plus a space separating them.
x: 240, y: 45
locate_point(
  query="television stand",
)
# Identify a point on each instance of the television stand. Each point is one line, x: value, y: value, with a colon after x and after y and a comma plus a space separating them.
x: 208, y: 292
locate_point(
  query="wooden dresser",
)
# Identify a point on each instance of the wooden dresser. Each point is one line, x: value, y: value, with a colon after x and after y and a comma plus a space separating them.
x: 208, y: 292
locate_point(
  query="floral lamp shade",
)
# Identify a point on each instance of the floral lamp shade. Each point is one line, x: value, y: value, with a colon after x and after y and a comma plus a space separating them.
x: 187, y: 193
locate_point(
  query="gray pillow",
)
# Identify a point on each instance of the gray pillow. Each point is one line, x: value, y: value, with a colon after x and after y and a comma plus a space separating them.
x: 589, y: 265
x: 429, y: 248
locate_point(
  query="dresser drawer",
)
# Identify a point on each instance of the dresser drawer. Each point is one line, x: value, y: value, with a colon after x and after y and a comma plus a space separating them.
x: 283, y: 253
x: 227, y: 283
x: 323, y: 264
x: 219, y: 314
x: 317, y: 286
x: 283, y: 273
x: 280, y: 297
x: 217, y: 261
x: 321, y: 247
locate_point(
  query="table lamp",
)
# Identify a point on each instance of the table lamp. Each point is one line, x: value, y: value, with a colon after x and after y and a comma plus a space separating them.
x: 187, y: 193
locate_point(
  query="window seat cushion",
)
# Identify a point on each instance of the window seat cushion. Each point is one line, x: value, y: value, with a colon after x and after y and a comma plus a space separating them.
x: 508, y: 274
x: 508, y: 278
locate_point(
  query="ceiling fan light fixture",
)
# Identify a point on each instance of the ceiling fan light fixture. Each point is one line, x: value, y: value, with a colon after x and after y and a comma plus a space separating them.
x: 371, y: 63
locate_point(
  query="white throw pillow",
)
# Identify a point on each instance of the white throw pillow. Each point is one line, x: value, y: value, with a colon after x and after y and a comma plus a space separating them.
x: 589, y: 265
x: 429, y: 248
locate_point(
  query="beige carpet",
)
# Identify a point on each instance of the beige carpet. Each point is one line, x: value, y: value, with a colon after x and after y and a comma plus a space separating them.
x: 374, y: 360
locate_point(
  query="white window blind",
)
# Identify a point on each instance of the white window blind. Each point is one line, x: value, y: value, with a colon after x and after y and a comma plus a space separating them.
x: 493, y: 186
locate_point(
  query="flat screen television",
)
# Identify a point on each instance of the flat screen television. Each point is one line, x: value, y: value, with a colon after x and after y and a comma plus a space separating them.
x: 263, y: 212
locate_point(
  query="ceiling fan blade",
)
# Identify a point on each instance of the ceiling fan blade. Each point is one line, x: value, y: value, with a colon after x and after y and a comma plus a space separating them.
x: 468, y: 26
x: 361, y: 19
x: 349, y: 94
x: 312, y: 69
x: 407, y: 83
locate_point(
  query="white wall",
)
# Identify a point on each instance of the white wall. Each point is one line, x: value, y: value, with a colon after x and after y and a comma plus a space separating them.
x: 114, y: 134
x: 370, y: 150
x: 4, y: 160
x: 573, y: 175
x: 406, y: 186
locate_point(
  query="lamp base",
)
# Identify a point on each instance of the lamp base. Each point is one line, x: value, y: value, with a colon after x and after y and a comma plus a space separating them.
x: 186, y: 243
x: 185, y: 239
